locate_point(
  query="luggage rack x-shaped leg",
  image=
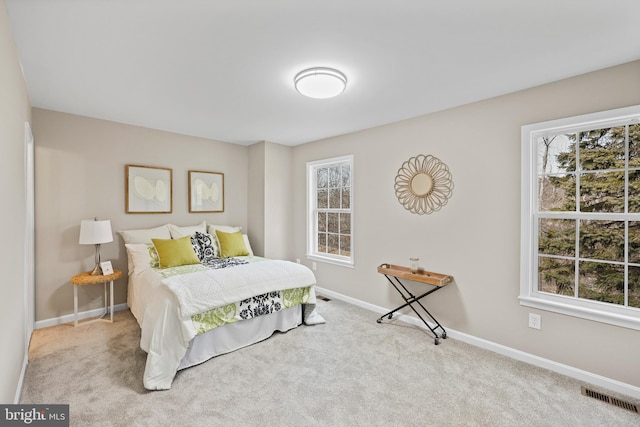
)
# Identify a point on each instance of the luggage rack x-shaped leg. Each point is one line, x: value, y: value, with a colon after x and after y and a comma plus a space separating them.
x: 409, y: 299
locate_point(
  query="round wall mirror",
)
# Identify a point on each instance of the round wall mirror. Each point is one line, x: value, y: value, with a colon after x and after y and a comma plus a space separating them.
x: 423, y: 184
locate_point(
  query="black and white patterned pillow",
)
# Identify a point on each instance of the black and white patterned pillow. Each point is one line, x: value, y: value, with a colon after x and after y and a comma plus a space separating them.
x: 196, y: 247
x: 207, y: 247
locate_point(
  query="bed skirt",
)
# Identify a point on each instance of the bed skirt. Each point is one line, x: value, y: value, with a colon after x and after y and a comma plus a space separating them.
x: 234, y: 336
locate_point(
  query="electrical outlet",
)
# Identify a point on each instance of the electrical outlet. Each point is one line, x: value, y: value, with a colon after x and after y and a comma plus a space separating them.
x: 535, y: 321
x: 314, y: 266
x: 298, y: 260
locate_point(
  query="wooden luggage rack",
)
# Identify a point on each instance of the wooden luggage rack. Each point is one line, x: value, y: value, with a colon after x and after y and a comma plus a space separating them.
x: 394, y: 273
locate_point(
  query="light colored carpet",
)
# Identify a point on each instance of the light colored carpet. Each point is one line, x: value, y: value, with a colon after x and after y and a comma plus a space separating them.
x: 350, y: 371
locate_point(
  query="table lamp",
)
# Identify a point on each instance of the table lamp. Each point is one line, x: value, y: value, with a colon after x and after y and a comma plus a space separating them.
x: 94, y: 232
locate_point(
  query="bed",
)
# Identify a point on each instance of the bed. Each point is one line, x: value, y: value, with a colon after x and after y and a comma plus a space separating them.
x: 198, y: 292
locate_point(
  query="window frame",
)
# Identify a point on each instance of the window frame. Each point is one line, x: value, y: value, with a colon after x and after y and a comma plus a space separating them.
x: 312, y: 201
x: 530, y: 296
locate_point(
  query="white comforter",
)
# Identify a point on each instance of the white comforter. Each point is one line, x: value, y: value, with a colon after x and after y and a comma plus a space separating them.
x: 167, y: 328
x: 198, y: 292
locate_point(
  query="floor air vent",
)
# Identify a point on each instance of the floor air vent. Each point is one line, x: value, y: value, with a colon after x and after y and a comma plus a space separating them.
x: 323, y: 298
x: 609, y: 399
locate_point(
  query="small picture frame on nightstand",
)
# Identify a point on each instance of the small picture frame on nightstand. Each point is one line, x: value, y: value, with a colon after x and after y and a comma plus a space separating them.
x: 107, y: 268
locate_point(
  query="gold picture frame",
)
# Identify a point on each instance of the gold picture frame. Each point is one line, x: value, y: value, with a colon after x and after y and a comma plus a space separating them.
x: 206, y: 191
x: 148, y: 189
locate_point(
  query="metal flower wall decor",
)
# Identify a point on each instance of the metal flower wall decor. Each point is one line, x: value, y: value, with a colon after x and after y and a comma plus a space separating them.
x: 423, y: 184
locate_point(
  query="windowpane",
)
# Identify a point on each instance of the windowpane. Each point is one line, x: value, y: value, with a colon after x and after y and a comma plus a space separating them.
x: 345, y: 245
x: 602, y: 148
x: 634, y: 287
x: 634, y: 242
x: 333, y: 222
x: 323, y: 199
x: 346, y: 198
x: 322, y: 242
x: 334, y: 176
x: 601, y: 281
x: 586, y: 176
x: 334, y: 198
x: 322, y: 221
x: 556, y: 154
x: 602, y: 240
x: 333, y: 244
x: 602, y: 192
x: 345, y: 223
x: 557, y: 237
x: 329, y: 210
x: 634, y: 191
x: 634, y: 146
x: 557, y: 193
x: 322, y: 177
x: 346, y: 176
x: 556, y: 276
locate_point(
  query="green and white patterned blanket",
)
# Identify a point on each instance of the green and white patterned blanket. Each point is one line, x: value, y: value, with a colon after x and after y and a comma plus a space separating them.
x: 249, y: 308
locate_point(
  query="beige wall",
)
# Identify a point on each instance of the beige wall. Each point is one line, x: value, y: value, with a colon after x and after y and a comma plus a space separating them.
x: 278, y: 209
x: 475, y: 237
x: 14, y: 112
x: 80, y: 174
x: 270, y: 208
x: 255, y: 203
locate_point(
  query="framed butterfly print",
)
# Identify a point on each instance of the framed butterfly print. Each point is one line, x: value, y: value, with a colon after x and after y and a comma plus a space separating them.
x: 148, y: 189
x: 206, y: 191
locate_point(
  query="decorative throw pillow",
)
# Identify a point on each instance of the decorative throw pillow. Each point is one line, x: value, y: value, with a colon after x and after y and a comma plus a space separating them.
x: 196, y: 246
x: 154, y: 261
x: 175, y: 252
x: 207, y: 248
x: 231, y: 244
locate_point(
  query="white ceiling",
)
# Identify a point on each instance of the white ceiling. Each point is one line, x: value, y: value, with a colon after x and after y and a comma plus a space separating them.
x: 223, y: 69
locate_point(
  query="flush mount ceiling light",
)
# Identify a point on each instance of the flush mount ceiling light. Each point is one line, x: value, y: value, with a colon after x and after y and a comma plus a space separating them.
x: 320, y: 82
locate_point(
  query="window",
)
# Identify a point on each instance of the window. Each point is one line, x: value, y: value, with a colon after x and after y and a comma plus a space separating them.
x: 580, y: 235
x: 330, y: 210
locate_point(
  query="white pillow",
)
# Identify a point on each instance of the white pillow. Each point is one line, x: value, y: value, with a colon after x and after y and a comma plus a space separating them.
x: 145, y: 236
x: 211, y: 229
x: 141, y: 257
x: 177, y: 232
x: 246, y: 243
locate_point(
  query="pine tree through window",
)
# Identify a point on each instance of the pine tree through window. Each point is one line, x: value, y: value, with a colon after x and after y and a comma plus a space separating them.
x: 581, y: 245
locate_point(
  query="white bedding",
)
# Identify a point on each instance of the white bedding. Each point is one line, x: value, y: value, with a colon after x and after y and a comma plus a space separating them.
x: 164, y: 306
x: 200, y: 291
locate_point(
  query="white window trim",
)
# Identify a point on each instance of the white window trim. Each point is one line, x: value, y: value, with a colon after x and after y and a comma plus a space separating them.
x: 529, y: 294
x: 311, y: 204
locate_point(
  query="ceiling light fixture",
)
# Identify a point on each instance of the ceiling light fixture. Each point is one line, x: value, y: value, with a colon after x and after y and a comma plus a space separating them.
x: 320, y: 82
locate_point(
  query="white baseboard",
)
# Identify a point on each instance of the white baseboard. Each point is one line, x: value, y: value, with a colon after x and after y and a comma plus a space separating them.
x: 569, y: 371
x: 67, y: 318
x: 23, y: 372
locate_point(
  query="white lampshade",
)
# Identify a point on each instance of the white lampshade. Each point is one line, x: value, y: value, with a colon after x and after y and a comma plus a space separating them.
x: 320, y: 82
x: 94, y: 232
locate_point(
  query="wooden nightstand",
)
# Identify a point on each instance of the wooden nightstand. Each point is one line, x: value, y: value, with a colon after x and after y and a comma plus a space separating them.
x: 87, y: 279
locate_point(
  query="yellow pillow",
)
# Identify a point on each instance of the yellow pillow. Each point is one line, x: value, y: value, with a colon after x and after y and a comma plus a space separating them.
x: 231, y: 244
x: 175, y: 252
